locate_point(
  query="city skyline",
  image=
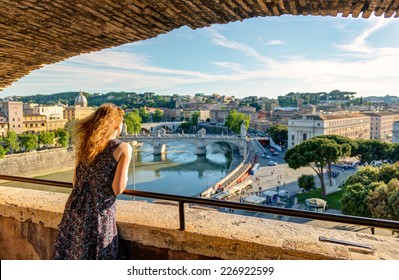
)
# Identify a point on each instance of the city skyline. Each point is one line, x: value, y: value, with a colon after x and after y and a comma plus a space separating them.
x: 260, y: 56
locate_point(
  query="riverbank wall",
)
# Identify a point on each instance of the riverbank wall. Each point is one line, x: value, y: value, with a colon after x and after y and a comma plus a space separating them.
x: 37, y: 163
x: 236, y: 175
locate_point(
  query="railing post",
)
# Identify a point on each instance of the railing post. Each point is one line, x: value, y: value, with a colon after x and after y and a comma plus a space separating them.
x: 181, y: 216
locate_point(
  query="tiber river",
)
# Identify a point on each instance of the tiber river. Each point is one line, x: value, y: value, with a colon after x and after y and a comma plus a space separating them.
x: 178, y: 172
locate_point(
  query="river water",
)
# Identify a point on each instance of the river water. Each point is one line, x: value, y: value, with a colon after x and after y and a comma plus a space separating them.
x: 178, y: 172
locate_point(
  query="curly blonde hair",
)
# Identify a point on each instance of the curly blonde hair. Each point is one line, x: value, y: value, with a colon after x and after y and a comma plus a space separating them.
x: 92, y: 133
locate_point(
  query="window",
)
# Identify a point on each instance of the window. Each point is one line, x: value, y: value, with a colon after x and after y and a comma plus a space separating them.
x: 293, y: 137
x: 292, y: 143
x: 305, y: 137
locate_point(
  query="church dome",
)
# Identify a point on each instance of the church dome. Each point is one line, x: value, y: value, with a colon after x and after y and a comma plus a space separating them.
x: 81, y: 100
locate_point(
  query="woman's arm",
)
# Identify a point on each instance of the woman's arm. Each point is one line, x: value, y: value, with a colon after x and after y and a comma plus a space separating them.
x: 122, y: 154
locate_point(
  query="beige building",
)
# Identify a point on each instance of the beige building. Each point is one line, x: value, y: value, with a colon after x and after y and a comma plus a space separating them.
x: 54, y: 124
x: 54, y: 115
x: 79, y: 110
x: 204, y: 114
x: 172, y: 115
x: 381, y: 125
x: 3, y: 125
x: 353, y: 126
x: 34, y: 123
x: 261, y: 125
x: 13, y: 110
x: 219, y: 115
x: 51, y: 112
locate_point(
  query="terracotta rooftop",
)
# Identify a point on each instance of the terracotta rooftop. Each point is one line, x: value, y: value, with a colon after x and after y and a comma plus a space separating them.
x: 34, y: 33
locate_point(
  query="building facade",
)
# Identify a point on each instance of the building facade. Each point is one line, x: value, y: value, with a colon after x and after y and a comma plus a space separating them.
x: 34, y: 123
x: 3, y: 125
x: 79, y: 111
x: 13, y: 110
x: 395, y: 132
x: 219, y: 116
x: 353, y: 126
x: 381, y: 125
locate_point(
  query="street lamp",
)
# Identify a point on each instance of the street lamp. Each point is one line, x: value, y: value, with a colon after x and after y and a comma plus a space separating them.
x: 134, y: 171
x: 207, y: 179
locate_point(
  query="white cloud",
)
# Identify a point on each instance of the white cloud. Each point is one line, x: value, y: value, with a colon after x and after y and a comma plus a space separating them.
x: 229, y: 65
x: 220, y: 40
x: 275, y: 42
x: 359, y: 44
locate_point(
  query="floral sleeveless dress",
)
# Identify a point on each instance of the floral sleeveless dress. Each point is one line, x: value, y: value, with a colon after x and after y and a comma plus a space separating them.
x: 88, y: 226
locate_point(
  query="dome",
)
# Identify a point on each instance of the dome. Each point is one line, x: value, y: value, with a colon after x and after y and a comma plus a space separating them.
x: 81, y: 100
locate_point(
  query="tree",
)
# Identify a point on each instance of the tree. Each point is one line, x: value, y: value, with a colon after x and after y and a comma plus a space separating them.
x: 46, y: 138
x: 316, y: 153
x: 279, y: 133
x: 144, y: 114
x: 63, y: 137
x: 383, y: 200
x: 157, y: 116
x: 306, y: 182
x: 3, y: 151
x: 195, y: 118
x: 11, y: 141
x: 29, y: 141
x: 354, y: 199
x: 369, y: 150
x: 372, y: 190
x: 346, y: 144
x: 133, y: 122
x: 235, y: 119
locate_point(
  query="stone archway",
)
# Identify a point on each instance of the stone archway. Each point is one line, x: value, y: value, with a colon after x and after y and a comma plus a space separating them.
x: 39, y: 32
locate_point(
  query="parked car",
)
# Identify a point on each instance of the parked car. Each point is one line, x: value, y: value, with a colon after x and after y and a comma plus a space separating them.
x: 272, y: 163
x: 265, y: 156
x: 275, y: 154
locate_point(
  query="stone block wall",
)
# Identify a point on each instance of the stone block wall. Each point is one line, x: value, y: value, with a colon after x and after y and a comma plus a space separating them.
x: 31, y: 163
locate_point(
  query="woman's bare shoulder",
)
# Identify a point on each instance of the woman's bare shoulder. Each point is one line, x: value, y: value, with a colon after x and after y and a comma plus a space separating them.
x: 123, y: 148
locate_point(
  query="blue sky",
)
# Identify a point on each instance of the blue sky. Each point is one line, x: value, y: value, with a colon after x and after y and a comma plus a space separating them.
x: 262, y: 56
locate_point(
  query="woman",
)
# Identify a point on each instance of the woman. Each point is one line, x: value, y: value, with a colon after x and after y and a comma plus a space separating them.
x: 88, y: 226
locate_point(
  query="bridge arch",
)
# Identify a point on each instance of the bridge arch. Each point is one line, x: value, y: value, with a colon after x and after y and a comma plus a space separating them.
x: 159, y: 141
x: 51, y: 31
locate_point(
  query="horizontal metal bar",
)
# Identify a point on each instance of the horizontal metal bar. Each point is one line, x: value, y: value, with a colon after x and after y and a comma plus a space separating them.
x: 235, y: 205
x: 36, y: 181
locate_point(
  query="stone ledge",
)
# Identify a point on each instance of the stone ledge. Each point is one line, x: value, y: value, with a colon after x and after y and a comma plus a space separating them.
x: 208, y: 234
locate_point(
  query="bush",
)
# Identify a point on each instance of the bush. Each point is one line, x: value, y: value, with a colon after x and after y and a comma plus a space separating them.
x: 306, y: 182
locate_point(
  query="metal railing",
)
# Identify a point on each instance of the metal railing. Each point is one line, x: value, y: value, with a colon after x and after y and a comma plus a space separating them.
x: 233, y: 205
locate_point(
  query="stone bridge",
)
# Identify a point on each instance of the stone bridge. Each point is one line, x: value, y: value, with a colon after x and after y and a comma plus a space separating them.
x: 159, y: 141
x: 154, y: 127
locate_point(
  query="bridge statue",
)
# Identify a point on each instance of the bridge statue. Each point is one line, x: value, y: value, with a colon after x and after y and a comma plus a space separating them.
x: 243, y: 130
x: 124, y: 129
x: 202, y: 132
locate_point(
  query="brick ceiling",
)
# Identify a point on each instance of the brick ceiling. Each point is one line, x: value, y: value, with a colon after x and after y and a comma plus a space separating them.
x: 34, y: 33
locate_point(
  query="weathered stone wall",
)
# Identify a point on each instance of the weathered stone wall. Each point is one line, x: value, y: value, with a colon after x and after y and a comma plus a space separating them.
x: 38, y: 162
x: 39, y: 32
x: 29, y: 219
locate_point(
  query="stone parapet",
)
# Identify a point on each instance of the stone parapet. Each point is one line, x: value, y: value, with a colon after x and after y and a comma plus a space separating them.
x: 29, y: 220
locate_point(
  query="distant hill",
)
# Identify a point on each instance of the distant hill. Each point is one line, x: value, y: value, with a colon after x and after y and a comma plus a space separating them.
x: 124, y: 99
